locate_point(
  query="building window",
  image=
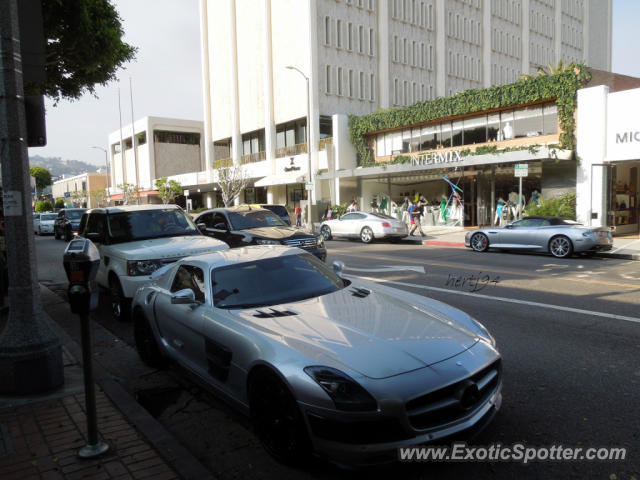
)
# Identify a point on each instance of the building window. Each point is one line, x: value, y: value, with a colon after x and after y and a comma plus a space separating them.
x: 327, y: 31
x: 371, y: 41
x: 406, y: 51
x: 414, y: 55
x: 422, y: 55
x: 350, y: 37
x: 339, y: 33
x: 339, y: 81
x: 395, y: 48
x: 351, y: 83
x: 328, y: 86
x: 406, y: 93
x: 395, y: 92
x: 165, y: 136
x: 361, y: 39
x: 362, y: 93
x: 414, y: 88
x: 372, y: 95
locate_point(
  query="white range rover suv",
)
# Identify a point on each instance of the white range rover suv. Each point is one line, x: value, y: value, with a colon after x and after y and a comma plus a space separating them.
x: 134, y: 241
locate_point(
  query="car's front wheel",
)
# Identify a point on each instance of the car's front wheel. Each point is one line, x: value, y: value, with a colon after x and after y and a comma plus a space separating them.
x: 146, y: 344
x: 479, y: 242
x: 366, y: 235
x: 561, y: 247
x: 276, y: 418
x: 326, y: 232
x: 120, y: 305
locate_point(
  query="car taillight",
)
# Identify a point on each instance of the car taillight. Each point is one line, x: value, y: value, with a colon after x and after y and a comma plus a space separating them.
x: 386, y: 224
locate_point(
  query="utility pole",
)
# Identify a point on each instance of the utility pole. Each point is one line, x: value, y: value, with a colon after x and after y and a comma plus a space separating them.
x: 30, y: 353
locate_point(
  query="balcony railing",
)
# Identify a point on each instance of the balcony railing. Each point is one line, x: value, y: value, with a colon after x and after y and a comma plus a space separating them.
x: 253, y: 157
x: 291, y: 150
x: 324, y: 142
x: 223, y: 162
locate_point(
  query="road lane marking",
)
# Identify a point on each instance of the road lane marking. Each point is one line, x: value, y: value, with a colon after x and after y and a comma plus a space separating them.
x: 507, y: 300
x: 388, y: 269
x: 495, y: 270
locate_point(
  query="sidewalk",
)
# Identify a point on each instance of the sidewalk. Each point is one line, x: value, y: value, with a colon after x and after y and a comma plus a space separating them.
x: 627, y: 247
x: 41, y: 434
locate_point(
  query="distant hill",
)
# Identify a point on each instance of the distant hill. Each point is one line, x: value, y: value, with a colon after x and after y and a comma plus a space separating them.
x: 58, y: 167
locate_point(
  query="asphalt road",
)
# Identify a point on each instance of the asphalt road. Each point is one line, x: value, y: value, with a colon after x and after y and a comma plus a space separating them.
x: 568, y: 330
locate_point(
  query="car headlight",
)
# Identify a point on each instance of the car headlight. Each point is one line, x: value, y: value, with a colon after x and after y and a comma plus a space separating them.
x: 136, y: 268
x: 588, y: 234
x: 265, y: 241
x: 320, y: 241
x: 345, y: 392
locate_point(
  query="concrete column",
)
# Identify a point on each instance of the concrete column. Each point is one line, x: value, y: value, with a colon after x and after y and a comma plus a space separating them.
x: 236, y: 137
x: 206, y: 90
x: 486, y: 43
x: 343, y: 150
x: 314, y: 98
x: 525, y: 36
x: 269, y: 122
x: 383, y: 53
x: 591, y: 136
x: 30, y: 353
x: 441, y: 50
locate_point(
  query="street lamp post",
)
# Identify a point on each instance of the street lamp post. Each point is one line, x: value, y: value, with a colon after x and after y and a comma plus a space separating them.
x: 308, y: 139
x: 106, y: 162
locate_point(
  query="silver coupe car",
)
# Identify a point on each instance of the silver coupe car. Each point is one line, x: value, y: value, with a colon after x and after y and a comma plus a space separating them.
x: 365, y: 226
x: 347, y: 369
x: 559, y: 236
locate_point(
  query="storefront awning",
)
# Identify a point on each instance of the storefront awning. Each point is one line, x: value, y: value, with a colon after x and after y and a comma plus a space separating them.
x: 282, y: 179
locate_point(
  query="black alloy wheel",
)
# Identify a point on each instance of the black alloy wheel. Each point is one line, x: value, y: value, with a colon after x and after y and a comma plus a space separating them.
x: 120, y: 305
x: 277, y: 420
x: 146, y: 344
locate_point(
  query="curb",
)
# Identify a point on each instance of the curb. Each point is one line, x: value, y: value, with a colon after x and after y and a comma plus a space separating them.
x: 623, y: 256
x: 443, y: 244
x: 181, y: 460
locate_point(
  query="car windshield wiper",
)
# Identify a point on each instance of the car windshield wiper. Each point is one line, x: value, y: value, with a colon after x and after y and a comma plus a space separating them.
x: 245, y: 305
x: 222, y: 294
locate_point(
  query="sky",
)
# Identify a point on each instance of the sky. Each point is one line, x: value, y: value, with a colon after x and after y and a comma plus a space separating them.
x: 167, y: 78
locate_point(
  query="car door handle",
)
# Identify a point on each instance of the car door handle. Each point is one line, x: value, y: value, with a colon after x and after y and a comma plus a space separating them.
x: 178, y: 343
x: 493, y: 232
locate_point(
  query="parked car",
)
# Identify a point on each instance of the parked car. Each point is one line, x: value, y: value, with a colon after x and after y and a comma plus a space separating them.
x: 314, y: 359
x: 36, y: 219
x: 45, y: 223
x: 67, y: 222
x: 245, y: 225
x: 365, y: 226
x: 279, y: 210
x: 559, y: 236
x: 135, y: 241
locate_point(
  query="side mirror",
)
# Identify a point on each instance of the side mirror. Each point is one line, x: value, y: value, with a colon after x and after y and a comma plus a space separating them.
x: 338, y: 266
x: 95, y: 237
x: 183, y: 297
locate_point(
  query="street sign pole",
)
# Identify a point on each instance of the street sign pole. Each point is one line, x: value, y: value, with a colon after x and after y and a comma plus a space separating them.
x: 520, y: 170
x: 520, y: 199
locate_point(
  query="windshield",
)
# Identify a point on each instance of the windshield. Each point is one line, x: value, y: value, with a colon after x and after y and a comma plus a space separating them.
x: 273, y: 281
x: 74, y: 214
x: 254, y: 219
x: 51, y: 216
x: 145, y: 224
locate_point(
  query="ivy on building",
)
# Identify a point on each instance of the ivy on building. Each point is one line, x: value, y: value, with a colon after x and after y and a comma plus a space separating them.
x: 561, y: 87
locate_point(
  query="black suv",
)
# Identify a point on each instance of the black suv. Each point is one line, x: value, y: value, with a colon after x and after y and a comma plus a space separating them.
x: 67, y: 222
x: 246, y: 225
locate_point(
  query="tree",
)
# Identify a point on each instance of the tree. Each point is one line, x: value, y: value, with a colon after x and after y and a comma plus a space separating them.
x: 232, y: 181
x: 99, y: 197
x: 168, y: 189
x: 84, y: 47
x: 128, y: 191
x: 42, y: 176
x: 79, y: 198
x: 43, y: 206
x: 59, y: 203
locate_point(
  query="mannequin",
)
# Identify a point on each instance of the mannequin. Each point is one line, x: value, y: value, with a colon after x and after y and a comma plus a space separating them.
x: 508, y: 131
x: 443, y: 210
x: 498, y: 217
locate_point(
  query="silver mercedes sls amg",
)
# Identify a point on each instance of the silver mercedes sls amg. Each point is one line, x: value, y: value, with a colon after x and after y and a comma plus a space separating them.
x: 344, y: 368
x: 558, y: 236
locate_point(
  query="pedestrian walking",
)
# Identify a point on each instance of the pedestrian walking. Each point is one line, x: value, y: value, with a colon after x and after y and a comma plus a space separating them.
x: 298, y: 216
x: 416, y: 215
x: 329, y: 213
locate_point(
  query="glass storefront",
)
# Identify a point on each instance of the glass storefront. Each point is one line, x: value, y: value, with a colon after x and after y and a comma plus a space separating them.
x: 622, y: 200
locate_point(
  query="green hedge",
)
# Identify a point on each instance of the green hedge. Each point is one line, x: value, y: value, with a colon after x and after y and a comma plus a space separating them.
x: 564, y: 206
x: 562, y: 87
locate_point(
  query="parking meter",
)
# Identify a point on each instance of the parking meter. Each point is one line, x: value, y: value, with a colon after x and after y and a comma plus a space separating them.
x: 81, y: 261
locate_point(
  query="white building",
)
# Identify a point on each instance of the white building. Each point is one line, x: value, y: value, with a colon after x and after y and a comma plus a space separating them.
x: 163, y: 147
x: 84, y: 190
x: 361, y: 56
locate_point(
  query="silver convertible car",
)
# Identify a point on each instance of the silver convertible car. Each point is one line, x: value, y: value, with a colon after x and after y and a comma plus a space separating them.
x: 344, y: 368
x: 559, y: 236
x: 365, y: 226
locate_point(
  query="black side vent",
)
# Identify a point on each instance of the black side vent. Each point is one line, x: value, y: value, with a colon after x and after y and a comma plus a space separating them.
x: 360, y: 292
x: 272, y: 313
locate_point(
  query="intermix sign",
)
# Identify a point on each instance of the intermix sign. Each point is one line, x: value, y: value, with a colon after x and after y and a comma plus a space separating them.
x: 623, y: 125
x: 434, y: 158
